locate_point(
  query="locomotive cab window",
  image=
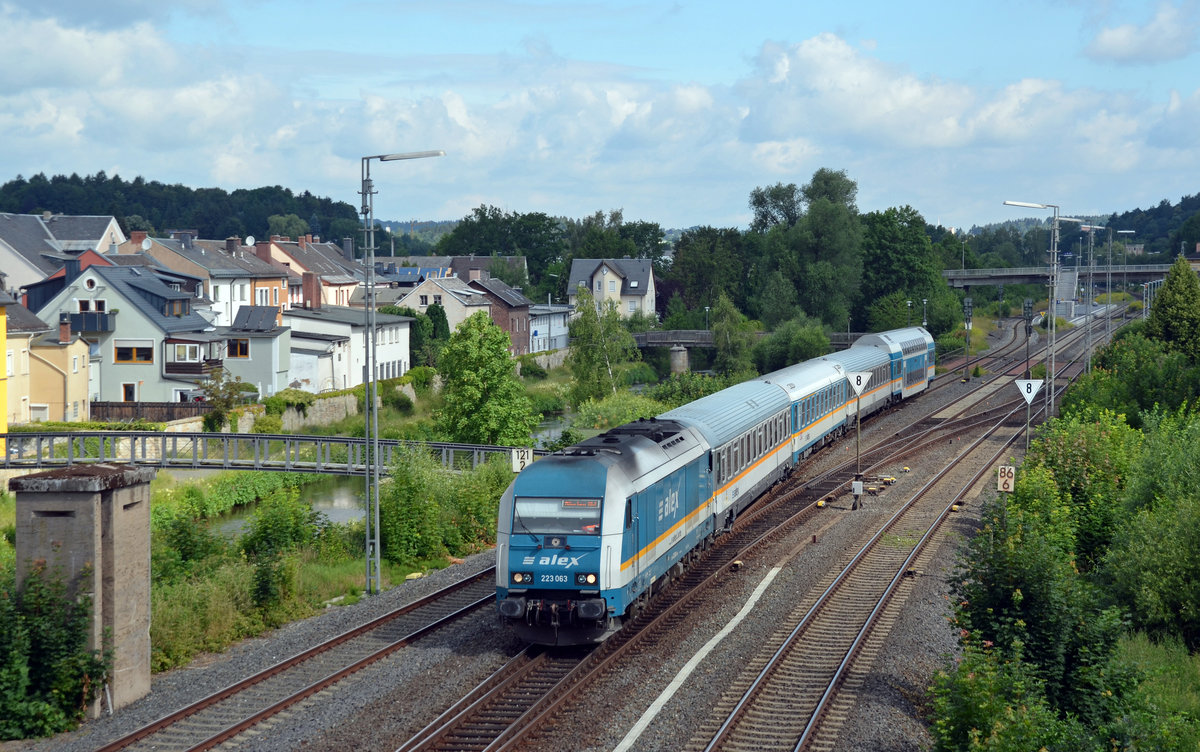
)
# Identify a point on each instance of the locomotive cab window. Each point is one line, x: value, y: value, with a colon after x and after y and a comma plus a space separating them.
x: 539, y: 516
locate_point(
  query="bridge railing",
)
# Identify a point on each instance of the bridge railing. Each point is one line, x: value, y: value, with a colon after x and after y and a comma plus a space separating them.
x: 334, y: 455
x: 668, y: 338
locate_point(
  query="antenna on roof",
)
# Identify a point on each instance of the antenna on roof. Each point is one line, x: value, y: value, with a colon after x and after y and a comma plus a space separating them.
x: 249, y: 240
x: 146, y: 243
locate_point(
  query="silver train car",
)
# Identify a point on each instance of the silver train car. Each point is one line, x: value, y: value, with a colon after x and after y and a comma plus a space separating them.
x: 587, y: 535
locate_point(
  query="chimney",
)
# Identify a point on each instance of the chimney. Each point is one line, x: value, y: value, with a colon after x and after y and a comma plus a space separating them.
x: 64, y: 328
x: 348, y: 249
x: 262, y: 249
x: 231, y: 244
x: 311, y: 290
x: 71, y: 269
x: 474, y: 274
x: 303, y: 240
x: 136, y: 237
x: 185, y: 239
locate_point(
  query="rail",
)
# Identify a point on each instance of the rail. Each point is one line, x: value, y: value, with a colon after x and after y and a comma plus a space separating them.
x: 331, y: 455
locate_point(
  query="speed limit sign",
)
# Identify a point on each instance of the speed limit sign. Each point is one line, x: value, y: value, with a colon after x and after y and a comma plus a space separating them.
x: 1006, y: 478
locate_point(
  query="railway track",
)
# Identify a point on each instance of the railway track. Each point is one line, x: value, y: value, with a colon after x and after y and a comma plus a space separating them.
x: 788, y: 699
x: 231, y: 711
x: 471, y: 724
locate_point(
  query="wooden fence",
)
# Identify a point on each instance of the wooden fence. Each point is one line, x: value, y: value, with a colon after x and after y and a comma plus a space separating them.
x: 158, y: 412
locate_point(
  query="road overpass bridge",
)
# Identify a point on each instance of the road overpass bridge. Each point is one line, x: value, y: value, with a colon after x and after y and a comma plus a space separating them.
x: 1137, y: 273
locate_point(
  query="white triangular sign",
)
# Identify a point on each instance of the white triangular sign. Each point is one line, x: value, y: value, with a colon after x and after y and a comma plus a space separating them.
x: 1029, y: 388
x: 858, y: 380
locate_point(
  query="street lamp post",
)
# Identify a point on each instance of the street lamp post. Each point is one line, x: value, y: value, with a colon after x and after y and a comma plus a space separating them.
x: 1053, y: 287
x: 370, y: 366
x: 924, y: 318
x: 706, y: 318
x: 1091, y: 231
x: 1125, y: 268
x: 909, y: 322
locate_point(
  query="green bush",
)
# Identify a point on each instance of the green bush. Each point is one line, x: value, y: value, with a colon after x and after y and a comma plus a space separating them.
x: 89, y: 425
x: 427, y: 512
x: 421, y: 377
x: 282, y: 400
x: 392, y: 397
x: 617, y: 409
x: 547, y: 401
x: 48, y: 676
x: 281, y: 522
x: 639, y: 373
x: 267, y: 424
x: 530, y: 368
x: 682, y: 388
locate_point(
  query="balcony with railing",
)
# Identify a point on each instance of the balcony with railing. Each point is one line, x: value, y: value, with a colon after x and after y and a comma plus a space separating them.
x: 192, y: 367
x: 93, y: 321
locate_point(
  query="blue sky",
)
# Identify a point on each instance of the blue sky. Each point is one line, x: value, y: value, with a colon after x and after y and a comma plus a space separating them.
x: 671, y: 112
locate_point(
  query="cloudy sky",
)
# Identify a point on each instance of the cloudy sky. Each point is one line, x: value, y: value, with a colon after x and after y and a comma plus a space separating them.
x: 670, y: 111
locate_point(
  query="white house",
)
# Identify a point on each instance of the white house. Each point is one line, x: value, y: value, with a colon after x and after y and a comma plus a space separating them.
x: 329, y: 351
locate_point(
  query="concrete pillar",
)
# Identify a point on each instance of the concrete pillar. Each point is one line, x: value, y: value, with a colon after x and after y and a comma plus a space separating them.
x: 679, y: 359
x: 92, y: 524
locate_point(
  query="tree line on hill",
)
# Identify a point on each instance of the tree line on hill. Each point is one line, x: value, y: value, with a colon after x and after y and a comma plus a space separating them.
x: 809, y: 254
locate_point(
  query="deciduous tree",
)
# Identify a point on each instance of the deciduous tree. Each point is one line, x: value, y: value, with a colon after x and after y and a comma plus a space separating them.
x: 600, y: 345
x: 484, y: 402
x: 1175, y: 316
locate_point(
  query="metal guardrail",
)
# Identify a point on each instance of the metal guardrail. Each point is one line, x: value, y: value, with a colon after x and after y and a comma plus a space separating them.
x: 331, y: 455
x: 668, y: 338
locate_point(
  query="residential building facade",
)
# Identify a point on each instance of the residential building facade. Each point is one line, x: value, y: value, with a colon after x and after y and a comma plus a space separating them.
x: 329, y: 349
x: 626, y: 283
x: 148, y: 343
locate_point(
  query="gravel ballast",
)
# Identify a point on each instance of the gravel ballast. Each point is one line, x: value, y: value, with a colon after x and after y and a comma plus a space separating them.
x: 386, y: 704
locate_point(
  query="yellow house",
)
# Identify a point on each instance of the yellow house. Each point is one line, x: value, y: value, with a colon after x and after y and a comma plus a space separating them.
x: 5, y: 301
x: 58, y: 375
x: 46, y: 374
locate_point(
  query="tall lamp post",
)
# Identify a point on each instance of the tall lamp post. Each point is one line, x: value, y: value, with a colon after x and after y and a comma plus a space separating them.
x: 1125, y: 267
x: 370, y: 366
x: 924, y: 318
x: 909, y: 322
x: 1053, y: 287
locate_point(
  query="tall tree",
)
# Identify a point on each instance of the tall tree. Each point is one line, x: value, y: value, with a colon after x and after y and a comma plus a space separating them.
x: 1175, y: 315
x: 897, y: 255
x: 600, y: 345
x: 708, y: 262
x: 778, y: 205
x: 484, y: 403
x: 733, y: 338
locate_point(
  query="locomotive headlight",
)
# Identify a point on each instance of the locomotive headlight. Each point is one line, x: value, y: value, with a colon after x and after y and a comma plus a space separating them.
x: 586, y: 578
x: 522, y: 578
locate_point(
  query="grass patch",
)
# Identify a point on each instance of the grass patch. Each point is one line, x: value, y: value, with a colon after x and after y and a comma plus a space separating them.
x: 900, y: 541
x: 1172, y: 676
x: 8, y: 530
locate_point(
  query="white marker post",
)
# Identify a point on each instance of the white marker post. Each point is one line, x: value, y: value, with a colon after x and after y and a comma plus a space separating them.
x: 858, y: 381
x: 1006, y: 478
x: 1029, y: 389
x: 521, y: 458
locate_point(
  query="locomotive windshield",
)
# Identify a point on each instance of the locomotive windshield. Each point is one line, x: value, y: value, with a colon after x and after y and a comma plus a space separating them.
x: 557, y: 516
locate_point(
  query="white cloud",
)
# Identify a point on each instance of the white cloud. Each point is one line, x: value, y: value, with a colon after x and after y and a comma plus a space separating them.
x: 1169, y: 35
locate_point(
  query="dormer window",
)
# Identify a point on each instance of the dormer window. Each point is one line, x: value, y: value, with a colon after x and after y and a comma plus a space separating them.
x: 633, y: 283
